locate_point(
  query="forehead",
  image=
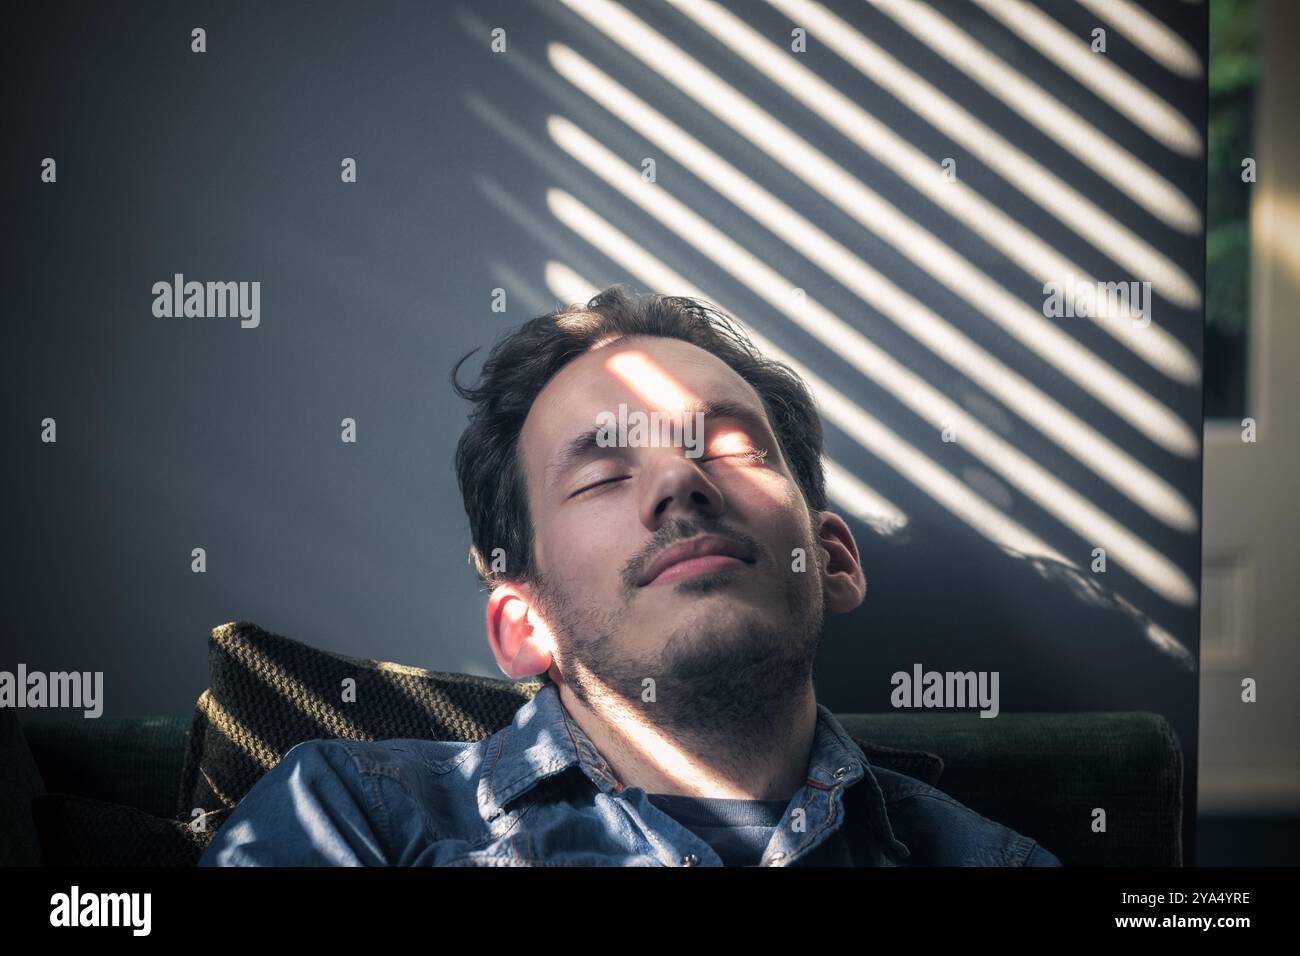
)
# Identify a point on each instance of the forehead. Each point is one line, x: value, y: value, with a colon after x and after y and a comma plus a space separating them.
x: 647, y: 373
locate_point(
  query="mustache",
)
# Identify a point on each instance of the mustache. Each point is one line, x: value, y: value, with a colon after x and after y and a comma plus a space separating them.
x: 680, y: 530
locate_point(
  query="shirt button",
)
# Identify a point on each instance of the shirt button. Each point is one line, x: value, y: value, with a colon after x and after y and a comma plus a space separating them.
x: 840, y: 772
x: 690, y: 859
x: 775, y: 858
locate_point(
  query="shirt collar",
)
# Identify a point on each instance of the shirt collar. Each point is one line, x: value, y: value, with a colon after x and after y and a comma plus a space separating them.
x: 543, y: 740
x: 837, y: 759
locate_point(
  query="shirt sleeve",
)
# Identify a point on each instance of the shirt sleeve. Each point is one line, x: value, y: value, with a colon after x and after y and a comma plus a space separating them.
x: 1039, y: 855
x: 313, y: 808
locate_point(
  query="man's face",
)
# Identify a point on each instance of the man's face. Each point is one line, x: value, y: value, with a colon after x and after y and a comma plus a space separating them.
x: 721, y: 636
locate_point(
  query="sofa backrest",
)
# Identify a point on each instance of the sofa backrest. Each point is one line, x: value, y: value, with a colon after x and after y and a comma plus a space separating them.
x: 1048, y: 776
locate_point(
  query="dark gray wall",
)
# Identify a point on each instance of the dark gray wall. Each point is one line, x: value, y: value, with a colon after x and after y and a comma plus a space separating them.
x: 177, y: 433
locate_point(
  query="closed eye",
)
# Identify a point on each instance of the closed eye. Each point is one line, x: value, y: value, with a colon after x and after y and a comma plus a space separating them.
x: 757, y: 456
x: 598, y: 484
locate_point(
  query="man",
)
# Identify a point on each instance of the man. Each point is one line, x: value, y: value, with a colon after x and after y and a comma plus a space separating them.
x: 668, y: 585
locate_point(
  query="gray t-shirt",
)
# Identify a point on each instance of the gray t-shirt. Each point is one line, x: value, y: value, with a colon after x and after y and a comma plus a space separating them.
x: 738, y: 830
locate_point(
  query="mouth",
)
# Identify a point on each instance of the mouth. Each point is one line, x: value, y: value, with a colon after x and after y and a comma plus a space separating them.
x: 700, y: 555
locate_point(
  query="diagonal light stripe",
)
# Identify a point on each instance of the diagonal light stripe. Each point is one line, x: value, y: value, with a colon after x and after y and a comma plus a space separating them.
x: 1155, y: 345
x: 567, y: 285
x: 861, y: 501
x: 1052, y: 495
x: 1143, y: 30
x: 230, y: 802
x: 1058, y: 424
x: 232, y: 729
x: 286, y: 686
x: 1098, y: 73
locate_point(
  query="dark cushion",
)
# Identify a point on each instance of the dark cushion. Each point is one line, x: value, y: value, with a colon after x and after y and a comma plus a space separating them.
x: 20, y: 782
x: 81, y: 831
x: 267, y: 693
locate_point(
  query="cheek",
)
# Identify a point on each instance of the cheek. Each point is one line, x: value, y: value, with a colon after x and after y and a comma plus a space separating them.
x: 583, y: 551
x: 762, y: 490
x: 774, y: 500
x: 782, y: 519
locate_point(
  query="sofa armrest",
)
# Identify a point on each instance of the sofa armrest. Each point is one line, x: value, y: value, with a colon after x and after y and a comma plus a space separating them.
x: 131, y: 761
x: 1046, y: 775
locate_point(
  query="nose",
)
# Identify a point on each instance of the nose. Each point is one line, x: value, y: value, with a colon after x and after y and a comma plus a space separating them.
x: 679, y: 486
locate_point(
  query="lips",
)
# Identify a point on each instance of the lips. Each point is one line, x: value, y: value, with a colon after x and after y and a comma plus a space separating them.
x: 701, y: 547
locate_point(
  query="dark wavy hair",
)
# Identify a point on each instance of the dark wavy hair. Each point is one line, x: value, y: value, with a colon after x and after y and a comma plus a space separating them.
x: 521, y: 363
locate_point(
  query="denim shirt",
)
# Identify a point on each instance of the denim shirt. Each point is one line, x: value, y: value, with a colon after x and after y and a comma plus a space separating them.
x: 538, y: 793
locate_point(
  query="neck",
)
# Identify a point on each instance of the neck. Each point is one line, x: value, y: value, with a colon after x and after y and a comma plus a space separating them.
x: 762, y: 754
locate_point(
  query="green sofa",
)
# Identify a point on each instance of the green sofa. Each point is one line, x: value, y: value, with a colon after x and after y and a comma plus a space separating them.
x: 1040, y: 774
x: 152, y: 790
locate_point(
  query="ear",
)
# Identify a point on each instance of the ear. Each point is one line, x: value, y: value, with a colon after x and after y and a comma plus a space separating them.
x: 519, y: 638
x: 843, y: 582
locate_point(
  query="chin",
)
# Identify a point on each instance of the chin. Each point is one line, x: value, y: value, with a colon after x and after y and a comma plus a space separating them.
x: 722, y: 621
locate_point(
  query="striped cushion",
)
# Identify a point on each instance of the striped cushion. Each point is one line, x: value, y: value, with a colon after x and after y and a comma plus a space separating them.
x: 267, y: 693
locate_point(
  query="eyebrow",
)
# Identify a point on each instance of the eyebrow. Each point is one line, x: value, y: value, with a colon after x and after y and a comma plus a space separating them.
x: 581, y: 447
